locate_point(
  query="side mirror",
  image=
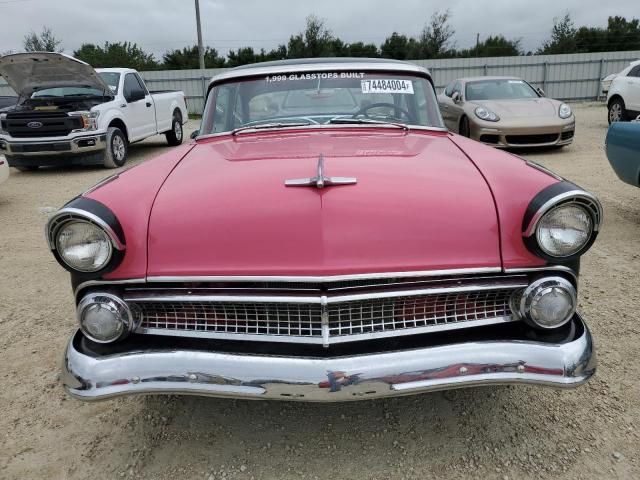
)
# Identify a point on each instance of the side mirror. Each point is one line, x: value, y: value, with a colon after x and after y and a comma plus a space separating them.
x: 194, y: 134
x: 456, y: 97
x: 135, y: 96
x: 541, y: 92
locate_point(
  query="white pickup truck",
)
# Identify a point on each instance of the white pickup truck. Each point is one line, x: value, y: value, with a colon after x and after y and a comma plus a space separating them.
x: 68, y: 113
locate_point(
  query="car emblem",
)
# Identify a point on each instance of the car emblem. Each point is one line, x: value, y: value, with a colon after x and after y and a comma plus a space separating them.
x: 35, y: 124
x: 320, y: 180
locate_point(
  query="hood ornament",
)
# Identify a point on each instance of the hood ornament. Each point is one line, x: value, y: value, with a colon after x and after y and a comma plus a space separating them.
x: 320, y: 180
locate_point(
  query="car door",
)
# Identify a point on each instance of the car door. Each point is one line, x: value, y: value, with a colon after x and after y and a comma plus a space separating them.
x: 632, y: 98
x: 140, y: 114
x: 451, y: 106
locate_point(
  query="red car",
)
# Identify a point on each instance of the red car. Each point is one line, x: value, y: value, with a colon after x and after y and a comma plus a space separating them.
x: 324, y: 238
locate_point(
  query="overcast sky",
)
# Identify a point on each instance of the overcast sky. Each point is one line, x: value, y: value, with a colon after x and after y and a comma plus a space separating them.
x: 159, y: 25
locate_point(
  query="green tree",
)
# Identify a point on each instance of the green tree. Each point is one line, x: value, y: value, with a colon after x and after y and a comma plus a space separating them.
x: 360, y: 49
x: 623, y: 34
x: 436, y: 38
x: 497, y: 46
x: 563, y: 37
x: 315, y: 41
x: 43, y: 42
x: 120, y: 54
x: 188, y: 58
x: 397, y: 46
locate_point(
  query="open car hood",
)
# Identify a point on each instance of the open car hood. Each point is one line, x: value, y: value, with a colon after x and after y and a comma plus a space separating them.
x: 29, y: 72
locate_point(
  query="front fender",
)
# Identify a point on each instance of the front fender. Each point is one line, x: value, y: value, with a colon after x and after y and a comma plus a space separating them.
x: 623, y: 151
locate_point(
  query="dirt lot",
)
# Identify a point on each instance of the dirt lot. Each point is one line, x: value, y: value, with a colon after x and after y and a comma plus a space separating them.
x: 506, y: 432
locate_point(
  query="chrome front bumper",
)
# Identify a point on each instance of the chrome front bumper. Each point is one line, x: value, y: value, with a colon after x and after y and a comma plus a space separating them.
x: 79, y: 145
x: 253, y: 376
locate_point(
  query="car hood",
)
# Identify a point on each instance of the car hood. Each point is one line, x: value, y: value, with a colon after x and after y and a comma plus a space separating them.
x: 419, y: 204
x: 535, y: 107
x: 27, y: 72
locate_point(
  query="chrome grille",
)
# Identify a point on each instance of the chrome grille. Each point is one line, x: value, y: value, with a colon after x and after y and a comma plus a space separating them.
x: 322, y: 320
x: 300, y: 320
x: 379, y: 315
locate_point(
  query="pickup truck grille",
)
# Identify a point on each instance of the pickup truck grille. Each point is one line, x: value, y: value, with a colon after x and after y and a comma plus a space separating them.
x: 302, y: 316
x: 52, y: 124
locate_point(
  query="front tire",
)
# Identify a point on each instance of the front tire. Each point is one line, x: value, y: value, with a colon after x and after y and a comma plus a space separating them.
x: 617, y: 111
x: 176, y: 134
x: 465, y: 130
x: 117, y: 148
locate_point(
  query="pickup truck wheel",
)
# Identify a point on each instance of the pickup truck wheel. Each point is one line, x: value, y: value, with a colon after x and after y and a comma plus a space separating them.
x: 617, y: 111
x: 174, y: 136
x: 116, y: 153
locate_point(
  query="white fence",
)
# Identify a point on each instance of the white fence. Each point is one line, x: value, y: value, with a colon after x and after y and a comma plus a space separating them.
x: 567, y: 77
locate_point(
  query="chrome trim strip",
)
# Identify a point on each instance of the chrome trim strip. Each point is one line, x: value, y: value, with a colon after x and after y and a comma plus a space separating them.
x: 548, y: 268
x: 318, y: 300
x: 340, y: 127
x: 90, y: 283
x: 220, y: 298
x: 359, y: 377
x: 322, y: 279
x: 319, y: 67
x: 83, y: 214
x: 561, y: 198
x: 542, y: 169
x: 326, y: 339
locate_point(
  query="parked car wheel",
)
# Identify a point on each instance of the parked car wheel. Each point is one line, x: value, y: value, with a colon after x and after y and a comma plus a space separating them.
x: 617, y: 111
x: 465, y: 130
x: 116, y: 154
x: 174, y: 136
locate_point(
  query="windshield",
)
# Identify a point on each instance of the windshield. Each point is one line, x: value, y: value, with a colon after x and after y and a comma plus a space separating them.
x: 321, y: 98
x: 500, y: 89
x: 111, y: 79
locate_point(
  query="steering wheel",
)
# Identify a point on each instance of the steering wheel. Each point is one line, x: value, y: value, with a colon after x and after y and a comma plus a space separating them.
x: 397, y: 110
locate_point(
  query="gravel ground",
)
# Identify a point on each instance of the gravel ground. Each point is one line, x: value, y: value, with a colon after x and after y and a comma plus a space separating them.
x: 501, y: 432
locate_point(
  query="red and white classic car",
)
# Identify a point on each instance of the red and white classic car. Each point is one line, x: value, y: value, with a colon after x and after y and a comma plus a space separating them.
x: 325, y: 238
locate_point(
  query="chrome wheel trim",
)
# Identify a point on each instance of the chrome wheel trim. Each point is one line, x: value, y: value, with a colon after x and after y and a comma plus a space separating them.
x: 118, y: 148
x: 615, y: 112
x: 177, y: 129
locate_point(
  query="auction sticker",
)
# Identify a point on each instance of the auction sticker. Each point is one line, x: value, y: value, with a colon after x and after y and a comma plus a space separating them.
x: 387, y: 86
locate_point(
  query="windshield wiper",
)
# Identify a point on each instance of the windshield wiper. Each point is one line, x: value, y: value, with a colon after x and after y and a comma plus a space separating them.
x: 265, y: 126
x: 367, y: 121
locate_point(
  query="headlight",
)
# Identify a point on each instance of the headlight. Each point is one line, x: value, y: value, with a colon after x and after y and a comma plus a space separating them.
x: 546, y: 303
x: 104, y: 318
x: 561, y: 222
x: 89, y: 120
x: 93, y: 120
x: 564, y: 230
x: 486, y: 114
x: 83, y: 246
x: 564, y: 111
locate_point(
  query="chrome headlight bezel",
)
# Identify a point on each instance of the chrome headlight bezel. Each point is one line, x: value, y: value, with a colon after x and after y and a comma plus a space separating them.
x: 523, y: 303
x: 125, y: 315
x: 563, y: 194
x: 106, y: 223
